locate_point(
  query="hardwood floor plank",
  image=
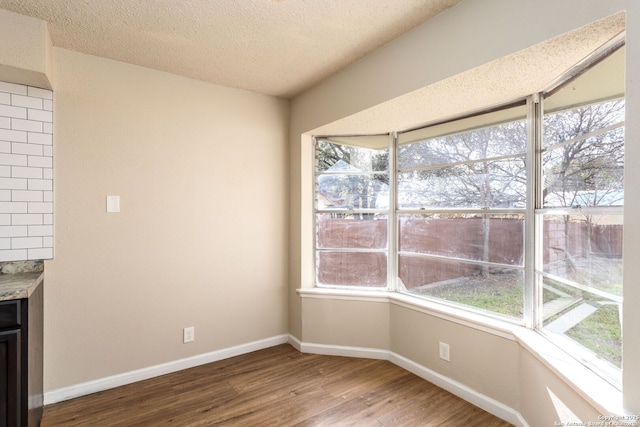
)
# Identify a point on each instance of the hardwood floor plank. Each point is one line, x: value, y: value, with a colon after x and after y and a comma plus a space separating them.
x: 278, y: 386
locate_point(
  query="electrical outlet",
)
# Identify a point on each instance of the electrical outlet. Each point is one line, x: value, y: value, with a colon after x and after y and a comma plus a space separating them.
x: 444, y: 352
x: 188, y: 334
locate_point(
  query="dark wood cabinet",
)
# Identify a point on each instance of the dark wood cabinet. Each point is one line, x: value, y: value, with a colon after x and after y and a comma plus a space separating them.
x: 9, y: 377
x: 21, y: 361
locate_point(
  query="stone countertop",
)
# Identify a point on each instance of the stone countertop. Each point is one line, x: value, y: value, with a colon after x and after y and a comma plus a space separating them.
x: 18, y: 286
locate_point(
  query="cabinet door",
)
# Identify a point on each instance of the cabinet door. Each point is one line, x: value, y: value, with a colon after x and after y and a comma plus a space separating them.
x: 9, y: 378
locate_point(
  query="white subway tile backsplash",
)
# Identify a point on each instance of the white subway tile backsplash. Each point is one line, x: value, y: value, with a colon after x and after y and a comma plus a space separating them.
x: 26, y: 101
x: 27, y: 219
x: 40, y: 115
x: 28, y: 125
x: 15, y: 255
x: 40, y: 138
x: 40, y: 207
x: 40, y: 230
x: 26, y: 173
x: 44, y: 253
x: 13, y: 184
x: 13, y: 160
x: 26, y: 243
x: 30, y: 149
x: 36, y: 92
x: 13, y: 88
x: 13, y: 231
x: 39, y: 162
x: 13, y: 135
x: 11, y: 111
x: 27, y: 196
x: 13, y: 207
x: 40, y: 184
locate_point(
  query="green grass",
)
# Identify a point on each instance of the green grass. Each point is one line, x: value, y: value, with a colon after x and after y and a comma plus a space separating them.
x: 499, y: 293
x: 601, y: 334
x: 504, y: 294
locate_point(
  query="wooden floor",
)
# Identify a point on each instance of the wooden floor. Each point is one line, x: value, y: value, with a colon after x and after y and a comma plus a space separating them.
x: 278, y: 386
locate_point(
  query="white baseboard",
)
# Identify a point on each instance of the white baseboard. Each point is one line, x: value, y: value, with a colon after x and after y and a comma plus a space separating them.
x: 295, y: 342
x: 66, y: 393
x: 337, y: 350
x: 488, y: 404
x: 478, y: 399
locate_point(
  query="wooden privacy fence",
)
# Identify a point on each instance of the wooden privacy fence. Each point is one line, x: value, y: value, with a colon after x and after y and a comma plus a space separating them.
x: 494, y: 240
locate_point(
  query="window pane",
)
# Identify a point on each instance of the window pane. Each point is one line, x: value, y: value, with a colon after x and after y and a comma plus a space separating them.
x: 603, y: 81
x: 488, y: 238
x: 502, y: 124
x: 342, y: 157
x: 585, y: 249
x: 590, y: 320
x: 352, y: 181
x: 337, y: 232
x: 497, y: 290
x: 352, y: 191
x: 587, y: 172
x: 352, y: 268
x: 577, y: 122
x: 582, y: 169
x: 484, y: 184
x: 506, y: 139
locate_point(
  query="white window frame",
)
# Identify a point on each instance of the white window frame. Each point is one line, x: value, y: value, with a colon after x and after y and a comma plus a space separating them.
x: 532, y: 319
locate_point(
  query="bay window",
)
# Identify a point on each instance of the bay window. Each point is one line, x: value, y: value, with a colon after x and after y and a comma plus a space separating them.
x: 513, y: 213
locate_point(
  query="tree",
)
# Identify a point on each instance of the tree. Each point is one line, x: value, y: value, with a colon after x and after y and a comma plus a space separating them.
x: 583, y: 165
x: 481, y: 168
x: 353, y: 182
x: 584, y: 156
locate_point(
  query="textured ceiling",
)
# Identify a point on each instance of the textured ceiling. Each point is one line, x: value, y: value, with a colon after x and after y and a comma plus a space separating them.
x: 275, y: 47
x: 498, y: 82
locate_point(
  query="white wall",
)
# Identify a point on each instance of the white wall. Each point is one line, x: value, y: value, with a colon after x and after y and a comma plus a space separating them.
x: 466, y: 36
x: 201, y: 236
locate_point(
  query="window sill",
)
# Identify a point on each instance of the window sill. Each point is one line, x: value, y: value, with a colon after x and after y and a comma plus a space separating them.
x: 603, y: 396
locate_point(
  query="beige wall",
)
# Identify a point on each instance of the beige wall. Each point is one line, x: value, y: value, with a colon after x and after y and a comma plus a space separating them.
x: 333, y: 322
x: 25, y: 50
x: 545, y: 399
x: 201, y: 238
x: 467, y: 36
x: 485, y: 362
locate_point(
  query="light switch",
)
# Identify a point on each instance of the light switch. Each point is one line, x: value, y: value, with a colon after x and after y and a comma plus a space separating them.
x: 113, y: 203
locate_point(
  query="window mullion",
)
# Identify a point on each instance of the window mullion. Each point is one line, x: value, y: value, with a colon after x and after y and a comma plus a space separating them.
x: 533, y: 247
x: 392, y: 230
